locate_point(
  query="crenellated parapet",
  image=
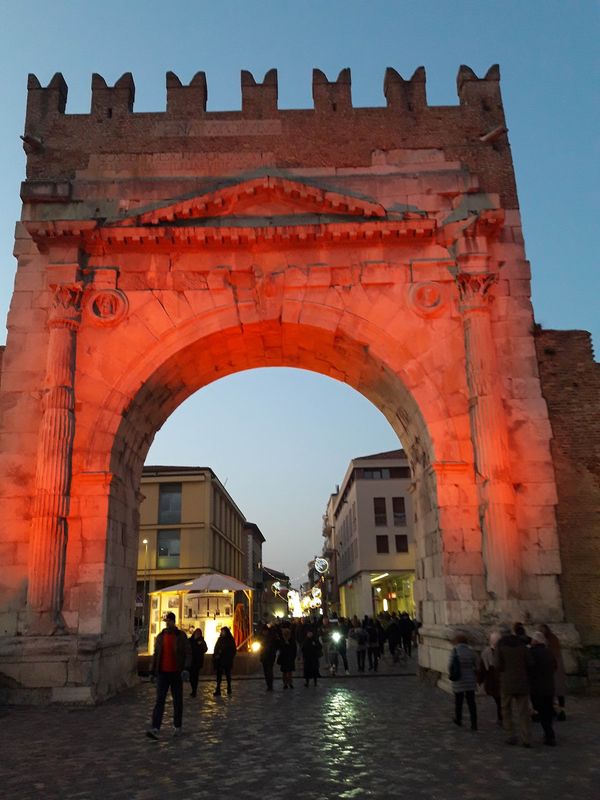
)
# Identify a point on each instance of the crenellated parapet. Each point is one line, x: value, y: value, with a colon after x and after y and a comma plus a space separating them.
x: 261, y: 97
x: 332, y: 134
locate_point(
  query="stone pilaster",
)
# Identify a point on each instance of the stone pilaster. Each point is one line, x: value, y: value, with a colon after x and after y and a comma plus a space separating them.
x: 500, y: 545
x: 53, y: 472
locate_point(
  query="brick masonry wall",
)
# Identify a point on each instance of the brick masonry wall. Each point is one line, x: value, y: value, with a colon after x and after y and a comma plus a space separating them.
x: 571, y: 386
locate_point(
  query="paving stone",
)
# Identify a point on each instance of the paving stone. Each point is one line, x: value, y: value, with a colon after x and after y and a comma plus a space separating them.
x: 350, y: 737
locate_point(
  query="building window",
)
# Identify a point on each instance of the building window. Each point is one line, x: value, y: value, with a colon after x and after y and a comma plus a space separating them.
x: 399, y: 509
x: 379, y: 511
x: 376, y: 474
x: 169, y: 503
x: 168, y: 549
x: 401, y: 543
x: 383, y: 545
x: 400, y: 472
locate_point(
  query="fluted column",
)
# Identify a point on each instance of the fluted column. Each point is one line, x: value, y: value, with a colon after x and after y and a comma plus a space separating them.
x: 48, y: 541
x: 500, y: 545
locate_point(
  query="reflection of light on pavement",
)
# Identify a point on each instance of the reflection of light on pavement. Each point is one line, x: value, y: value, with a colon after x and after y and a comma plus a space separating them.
x: 341, y: 716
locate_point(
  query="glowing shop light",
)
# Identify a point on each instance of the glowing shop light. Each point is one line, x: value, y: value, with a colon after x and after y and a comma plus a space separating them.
x: 316, y: 592
x: 336, y: 636
x: 379, y: 577
x: 256, y: 647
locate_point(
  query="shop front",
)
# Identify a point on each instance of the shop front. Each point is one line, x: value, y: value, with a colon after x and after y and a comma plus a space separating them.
x: 209, y: 602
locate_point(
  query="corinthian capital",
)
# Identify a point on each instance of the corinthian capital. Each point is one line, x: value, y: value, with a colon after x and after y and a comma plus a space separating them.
x: 65, y: 311
x: 473, y: 290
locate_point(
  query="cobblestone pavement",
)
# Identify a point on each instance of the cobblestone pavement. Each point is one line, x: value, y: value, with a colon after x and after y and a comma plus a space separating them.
x: 351, y: 737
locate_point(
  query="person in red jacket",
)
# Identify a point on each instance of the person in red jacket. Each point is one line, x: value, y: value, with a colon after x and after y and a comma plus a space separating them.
x: 171, y: 658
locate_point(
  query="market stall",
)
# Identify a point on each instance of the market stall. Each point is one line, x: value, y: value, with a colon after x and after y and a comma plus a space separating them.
x: 207, y: 602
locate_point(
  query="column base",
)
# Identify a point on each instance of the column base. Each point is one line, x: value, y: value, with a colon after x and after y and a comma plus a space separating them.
x: 39, y: 670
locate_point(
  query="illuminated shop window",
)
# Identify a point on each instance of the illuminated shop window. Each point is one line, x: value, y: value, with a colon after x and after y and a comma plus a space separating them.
x: 168, y: 549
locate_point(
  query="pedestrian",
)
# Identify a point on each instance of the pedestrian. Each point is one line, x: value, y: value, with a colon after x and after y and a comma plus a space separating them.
x: 392, y: 633
x: 513, y: 661
x: 372, y: 645
x: 269, y: 642
x: 464, y: 684
x: 287, y: 657
x: 542, y: 684
x: 171, y: 658
x: 407, y: 631
x: 359, y: 635
x: 223, y: 656
x: 198, y: 648
x: 560, y: 676
x: 488, y: 676
x: 311, y: 653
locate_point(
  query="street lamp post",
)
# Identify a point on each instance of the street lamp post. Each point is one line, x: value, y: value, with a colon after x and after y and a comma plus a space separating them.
x: 145, y: 543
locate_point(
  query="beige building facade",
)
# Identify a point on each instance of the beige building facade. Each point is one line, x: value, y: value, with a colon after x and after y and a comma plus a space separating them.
x: 189, y: 524
x: 369, y: 525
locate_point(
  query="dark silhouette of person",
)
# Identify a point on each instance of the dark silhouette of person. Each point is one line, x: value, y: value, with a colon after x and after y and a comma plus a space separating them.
x: 223, y: 656
x: 198, y: 648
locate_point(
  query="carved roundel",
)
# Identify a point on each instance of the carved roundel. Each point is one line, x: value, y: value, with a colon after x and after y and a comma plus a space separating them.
x: 427, y: 298
x: 106, y: 307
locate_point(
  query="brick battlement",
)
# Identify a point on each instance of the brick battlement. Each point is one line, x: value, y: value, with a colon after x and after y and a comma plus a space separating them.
x: 260, y: 99
x: 331, y: 134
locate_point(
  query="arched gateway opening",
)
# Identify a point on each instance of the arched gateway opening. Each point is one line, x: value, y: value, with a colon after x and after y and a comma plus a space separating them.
x: 380, y: 247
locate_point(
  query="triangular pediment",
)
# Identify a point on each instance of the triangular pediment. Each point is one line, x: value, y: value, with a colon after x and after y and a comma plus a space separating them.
x: 267, y: 196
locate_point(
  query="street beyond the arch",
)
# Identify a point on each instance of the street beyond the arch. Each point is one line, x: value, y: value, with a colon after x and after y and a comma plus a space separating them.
x: 375, y: 737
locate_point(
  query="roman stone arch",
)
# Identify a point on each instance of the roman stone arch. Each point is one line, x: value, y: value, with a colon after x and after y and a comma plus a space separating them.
x: 159, y: 252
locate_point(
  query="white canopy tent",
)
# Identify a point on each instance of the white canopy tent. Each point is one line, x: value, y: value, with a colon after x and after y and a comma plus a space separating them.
x: 207, y: 587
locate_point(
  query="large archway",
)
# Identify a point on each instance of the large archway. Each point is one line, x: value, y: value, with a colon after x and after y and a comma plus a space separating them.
x: 140, y: 281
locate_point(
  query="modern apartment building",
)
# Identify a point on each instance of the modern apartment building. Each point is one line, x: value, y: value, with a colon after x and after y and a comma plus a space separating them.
x: 369, y: 536
x: 189, y: 524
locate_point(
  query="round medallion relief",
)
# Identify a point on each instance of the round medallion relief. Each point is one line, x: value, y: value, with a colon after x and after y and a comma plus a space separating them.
x: 106, y: 307
x: 427, y: 298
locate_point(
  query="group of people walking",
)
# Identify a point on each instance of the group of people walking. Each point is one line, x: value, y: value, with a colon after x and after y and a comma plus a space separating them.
x: 523, y: 674
x: 333, y: 640
x: 178, y: 658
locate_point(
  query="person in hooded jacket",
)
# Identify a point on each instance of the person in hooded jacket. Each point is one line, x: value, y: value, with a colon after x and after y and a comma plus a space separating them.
x: 223, y: 656
x: 513, y: 661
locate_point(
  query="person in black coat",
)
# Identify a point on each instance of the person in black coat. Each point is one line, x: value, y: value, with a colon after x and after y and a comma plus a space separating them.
x: 311, y: 653
x: 392, y: 634
x: 269, y: 644
x: 407, y: 629
x: 223, y: 656
x: 197, y: 647
x: 541, y: 678
x: 287, y: 657
x: 372, y: 645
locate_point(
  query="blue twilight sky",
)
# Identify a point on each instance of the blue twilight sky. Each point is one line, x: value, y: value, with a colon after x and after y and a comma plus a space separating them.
x: 282, y: 438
